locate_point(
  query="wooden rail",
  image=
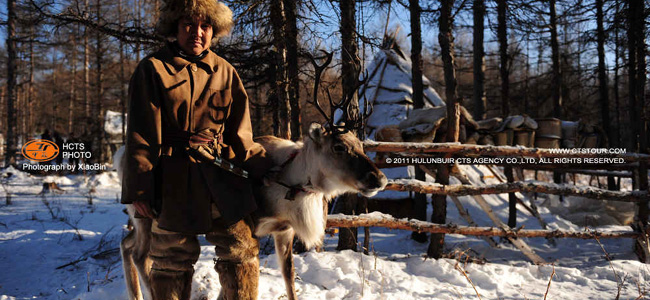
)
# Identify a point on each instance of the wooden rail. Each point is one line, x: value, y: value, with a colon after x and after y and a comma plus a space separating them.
x: 382, y: 220
x: 417, y: 186
x: 457, y: 149
x: 521, y: 157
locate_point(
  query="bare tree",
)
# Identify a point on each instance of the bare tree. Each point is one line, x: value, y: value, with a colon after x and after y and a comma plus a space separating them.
x: 86, y: 88
x: 349, y: 77
x: 72, y: 62
x: 11, y: 83
x: 446, y: 40
x: 502, y: 33
x: 603, y: 89
x: 291, y: 38
x: 122, y: 78
x: 281, y: 85
x: 419, y: 210
x: 478, y: 96
x: 556, y: 82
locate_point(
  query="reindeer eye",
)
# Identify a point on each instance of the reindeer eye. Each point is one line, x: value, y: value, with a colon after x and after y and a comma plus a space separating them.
x: 339, y: 148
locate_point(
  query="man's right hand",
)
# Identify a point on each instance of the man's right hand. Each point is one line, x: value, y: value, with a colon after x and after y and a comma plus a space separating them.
x: 144, y: 209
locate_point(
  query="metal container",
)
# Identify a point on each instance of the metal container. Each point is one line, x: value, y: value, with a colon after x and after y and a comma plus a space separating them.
x: 549, y: 127
x: 504, y: 138
x: 547, y: 142
x: 525, y: 138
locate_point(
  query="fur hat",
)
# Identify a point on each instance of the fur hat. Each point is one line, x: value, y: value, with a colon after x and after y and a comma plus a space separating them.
x: 213, y: 11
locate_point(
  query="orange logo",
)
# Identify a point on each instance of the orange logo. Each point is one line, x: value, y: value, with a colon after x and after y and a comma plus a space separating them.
x: 40, y: 150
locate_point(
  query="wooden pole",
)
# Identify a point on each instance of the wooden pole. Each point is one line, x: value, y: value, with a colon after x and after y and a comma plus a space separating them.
x: 529, y: 186
x: 512, y: 199
x: 376, y: 219
x: 461, y: 150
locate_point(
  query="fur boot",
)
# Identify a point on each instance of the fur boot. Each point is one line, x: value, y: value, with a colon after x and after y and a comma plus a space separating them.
x: 238, y: 280
x: 171, y: 285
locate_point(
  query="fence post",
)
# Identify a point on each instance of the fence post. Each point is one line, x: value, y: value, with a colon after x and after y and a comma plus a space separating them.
x: 439, y: 215
x: 641, y: 246
x: 512, y: 199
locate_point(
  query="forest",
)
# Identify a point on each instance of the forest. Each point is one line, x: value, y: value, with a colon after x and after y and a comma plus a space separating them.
x: 522, y: 198
x: 66, y: 63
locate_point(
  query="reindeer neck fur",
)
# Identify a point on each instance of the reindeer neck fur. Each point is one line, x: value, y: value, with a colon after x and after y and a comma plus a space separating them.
x: 306, y: 170
x: 305, y: 213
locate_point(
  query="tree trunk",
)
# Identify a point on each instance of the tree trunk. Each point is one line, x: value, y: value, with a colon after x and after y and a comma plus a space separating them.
x: 637, y: 75
x: 502, y: 33
x: 602, y: 73
x: 416, y: 56
x: 278, y: 21
x: 349, y: 76
x: 30, y: 95
x: 291, y: 38
x: 99, y: 133
x: 138, y: 20
x: 617, y: 98
x: 122, y: 79
x: 640, y: 111
x: 11, y: 83
x: 446, y: 40
x: 55, y: 105
x: 556, y: 81
x: 86, y: 89
x: 419, y: 210
x: 3, y: 119
x: 73, y: 87
x: 602, y: 84
x: 478, y: 97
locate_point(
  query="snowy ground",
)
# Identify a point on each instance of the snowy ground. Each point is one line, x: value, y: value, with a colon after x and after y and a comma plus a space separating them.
x: 58, y: 246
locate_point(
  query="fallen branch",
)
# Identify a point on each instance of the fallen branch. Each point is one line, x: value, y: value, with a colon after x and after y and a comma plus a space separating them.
x: 527, y: 186
x: 548, y: 287
x: 74, y: 262
x: 376, y: 219
x: 462, y: 271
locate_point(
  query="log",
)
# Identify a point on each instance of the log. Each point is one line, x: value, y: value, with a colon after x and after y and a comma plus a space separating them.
x: 519, y: 244
x: 461, y: 209
x: 465, y: 215
x: 377, y: 219
x: 463, y: 150
x: 533, y: 207
x: 528, y: 186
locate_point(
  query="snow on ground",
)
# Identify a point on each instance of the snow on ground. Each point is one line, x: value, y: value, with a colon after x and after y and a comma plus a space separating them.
x: 58, y: 246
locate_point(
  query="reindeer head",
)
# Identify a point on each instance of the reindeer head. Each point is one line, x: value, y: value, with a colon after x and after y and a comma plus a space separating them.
x: 340, y: 150
x: 344, y: 164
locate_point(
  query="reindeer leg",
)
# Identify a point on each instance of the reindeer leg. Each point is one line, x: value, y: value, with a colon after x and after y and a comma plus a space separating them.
x: 140, y: 256
x: 283, y: 246
x: 130, y: 273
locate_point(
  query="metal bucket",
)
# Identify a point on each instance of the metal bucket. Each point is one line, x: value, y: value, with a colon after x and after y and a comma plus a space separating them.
x: 504, y: 138
x: 549, y: 127
x: 525, y: 138
x: 547, y: 142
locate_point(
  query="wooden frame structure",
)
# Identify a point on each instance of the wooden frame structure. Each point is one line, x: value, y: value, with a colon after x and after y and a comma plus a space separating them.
x: 634, y: 163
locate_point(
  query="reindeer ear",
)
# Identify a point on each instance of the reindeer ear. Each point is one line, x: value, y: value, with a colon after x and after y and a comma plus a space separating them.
x: 316, y: 133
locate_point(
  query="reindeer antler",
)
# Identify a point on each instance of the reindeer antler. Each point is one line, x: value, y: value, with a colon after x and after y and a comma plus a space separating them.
x: 356, y: 123
x: 348, y: 121
x: 318, y: 72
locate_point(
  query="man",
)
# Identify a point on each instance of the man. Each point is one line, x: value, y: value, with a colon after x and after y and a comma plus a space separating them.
x: 188, y: 106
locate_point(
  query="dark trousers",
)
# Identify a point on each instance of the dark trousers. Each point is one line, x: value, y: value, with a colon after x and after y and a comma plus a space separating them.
x: 174, y: 255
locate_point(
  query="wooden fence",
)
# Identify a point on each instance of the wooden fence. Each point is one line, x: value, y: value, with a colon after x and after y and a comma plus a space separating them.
x: 632, y: 164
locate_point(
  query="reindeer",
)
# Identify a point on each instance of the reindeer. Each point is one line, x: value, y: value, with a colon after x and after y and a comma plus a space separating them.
x: 328, y: 162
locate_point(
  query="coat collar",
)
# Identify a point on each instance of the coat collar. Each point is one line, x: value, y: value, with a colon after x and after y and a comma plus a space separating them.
x: 176, y: 63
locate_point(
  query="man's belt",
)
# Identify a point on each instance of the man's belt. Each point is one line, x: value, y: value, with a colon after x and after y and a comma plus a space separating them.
x: 204, y: 146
